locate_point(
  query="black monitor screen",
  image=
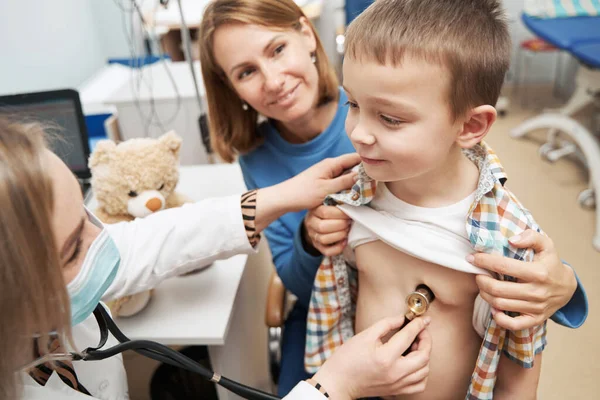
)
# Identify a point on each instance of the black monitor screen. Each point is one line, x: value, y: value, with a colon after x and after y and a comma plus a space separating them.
x: 63, y: 117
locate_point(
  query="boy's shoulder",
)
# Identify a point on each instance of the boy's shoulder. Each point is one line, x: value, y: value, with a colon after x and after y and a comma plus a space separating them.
x: 496, y: 214
x: 492, y: 176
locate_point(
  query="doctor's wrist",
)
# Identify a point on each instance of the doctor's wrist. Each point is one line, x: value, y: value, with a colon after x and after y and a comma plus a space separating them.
x: 318, y: 386
x: 330, y: 383
x: 271, y: 203
x: 248, y: 206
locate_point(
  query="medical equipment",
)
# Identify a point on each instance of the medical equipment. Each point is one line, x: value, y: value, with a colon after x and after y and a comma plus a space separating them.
x: 150, y: 349
x: 418, y: 303
x: 162, y: 353
x: 62, y: 111
x: 580, y: 37
x: 187, y: 50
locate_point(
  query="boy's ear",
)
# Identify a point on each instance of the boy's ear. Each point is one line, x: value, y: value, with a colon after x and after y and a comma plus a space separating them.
x: 477, y: 125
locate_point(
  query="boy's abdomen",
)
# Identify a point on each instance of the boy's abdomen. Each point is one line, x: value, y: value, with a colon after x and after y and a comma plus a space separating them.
x: 387, y: 276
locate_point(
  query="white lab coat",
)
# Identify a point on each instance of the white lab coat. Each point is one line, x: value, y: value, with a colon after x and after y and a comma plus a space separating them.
x: 152, y: 249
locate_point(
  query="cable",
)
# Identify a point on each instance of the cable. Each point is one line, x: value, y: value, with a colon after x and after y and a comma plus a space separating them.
x: 185, y: 34
x: 135, y: 71
x: 162, y: 353
x: 139, y: 78
x: 202, y: 125
x: 149, y: 84
x: 158, y: 44
x: 138, y: 81
x: 167, y: 355
x: 153, y: 113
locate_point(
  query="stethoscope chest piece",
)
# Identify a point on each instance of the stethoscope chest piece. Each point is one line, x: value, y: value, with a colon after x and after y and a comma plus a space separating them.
x: 418, y: 302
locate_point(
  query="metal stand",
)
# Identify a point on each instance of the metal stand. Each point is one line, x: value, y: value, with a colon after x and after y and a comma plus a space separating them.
x: 584, y: 140
x: 187, y: 51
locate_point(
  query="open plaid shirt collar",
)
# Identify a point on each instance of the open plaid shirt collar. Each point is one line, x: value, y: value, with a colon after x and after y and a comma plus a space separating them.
x: 494, y: 216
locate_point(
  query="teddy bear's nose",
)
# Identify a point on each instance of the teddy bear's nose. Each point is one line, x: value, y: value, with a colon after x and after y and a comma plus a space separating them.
x: 153, y: 204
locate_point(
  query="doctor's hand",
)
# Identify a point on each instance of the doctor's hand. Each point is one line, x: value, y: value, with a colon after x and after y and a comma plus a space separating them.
x: 306, y: 190
x: 543, y: 286
x: 309, y: 188
x: 367, y: 366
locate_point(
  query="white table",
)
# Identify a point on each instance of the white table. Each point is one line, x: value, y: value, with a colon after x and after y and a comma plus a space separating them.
x: 213, y: 307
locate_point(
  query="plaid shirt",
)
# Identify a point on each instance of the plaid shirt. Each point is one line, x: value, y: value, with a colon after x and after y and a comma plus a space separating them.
x: 494, y: 217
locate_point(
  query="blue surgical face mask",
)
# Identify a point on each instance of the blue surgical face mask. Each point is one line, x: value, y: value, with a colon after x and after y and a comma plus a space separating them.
x: 96, y: 275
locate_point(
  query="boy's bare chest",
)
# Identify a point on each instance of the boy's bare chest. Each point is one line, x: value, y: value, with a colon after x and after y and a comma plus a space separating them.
x: 387, y: 276
x: 389, y: 270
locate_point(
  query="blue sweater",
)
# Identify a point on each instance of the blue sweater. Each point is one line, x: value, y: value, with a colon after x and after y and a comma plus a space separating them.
x: 277, y: 160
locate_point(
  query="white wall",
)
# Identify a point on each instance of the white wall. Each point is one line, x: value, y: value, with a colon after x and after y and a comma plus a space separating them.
x: 51, y: 44
x: 46, y: 44
x: 109, y: 25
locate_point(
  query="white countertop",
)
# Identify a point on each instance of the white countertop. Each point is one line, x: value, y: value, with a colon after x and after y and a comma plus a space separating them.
x: 100, y: 86
x: 196, y: 309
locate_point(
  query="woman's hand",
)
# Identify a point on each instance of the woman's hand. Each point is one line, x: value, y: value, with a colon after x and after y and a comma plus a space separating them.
x: 306, y: 190
x: 325, y: 230
x: 365, y: 366
x: 542, y: 288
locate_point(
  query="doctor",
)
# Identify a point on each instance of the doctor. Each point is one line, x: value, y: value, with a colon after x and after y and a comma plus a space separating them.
x: 57, y: 262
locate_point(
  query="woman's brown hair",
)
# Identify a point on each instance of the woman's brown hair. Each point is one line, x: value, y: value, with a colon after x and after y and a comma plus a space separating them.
x: 33, y: 296
x: 233, y: 130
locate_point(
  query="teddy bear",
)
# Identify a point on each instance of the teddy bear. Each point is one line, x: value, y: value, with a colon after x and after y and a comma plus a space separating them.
x: 134, y: 179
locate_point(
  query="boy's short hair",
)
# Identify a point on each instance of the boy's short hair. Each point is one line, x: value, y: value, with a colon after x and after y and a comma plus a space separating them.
x: 468, y: 37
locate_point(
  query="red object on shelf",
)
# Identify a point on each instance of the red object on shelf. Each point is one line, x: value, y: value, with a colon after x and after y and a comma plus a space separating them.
x: 537, y: 45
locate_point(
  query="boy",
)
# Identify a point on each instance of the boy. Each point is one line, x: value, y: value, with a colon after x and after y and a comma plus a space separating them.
x: 422, y: 77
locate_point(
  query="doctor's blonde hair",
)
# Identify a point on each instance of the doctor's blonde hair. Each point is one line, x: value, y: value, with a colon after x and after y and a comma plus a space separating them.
x: 33, y: 296
x: 234, y: 131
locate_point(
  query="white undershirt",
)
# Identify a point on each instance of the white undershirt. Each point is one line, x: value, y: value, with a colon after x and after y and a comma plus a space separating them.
x: 436, y: 235
x: 448, y: 221
x: 438, y: 230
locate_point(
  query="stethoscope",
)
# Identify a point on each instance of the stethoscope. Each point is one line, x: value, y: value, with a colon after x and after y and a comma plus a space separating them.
x: 418, y: 303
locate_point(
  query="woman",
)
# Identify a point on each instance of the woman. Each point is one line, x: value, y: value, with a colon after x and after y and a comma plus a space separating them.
x: 58, y: 261
x: 262, y: 58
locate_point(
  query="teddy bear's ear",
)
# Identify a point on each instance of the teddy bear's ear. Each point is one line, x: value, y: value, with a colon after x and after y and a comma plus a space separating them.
x: 172, y: 141
x: 101, y: 154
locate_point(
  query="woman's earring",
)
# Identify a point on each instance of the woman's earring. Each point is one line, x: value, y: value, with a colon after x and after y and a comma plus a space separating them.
x: 313, y: 58
x: 244, y: 106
